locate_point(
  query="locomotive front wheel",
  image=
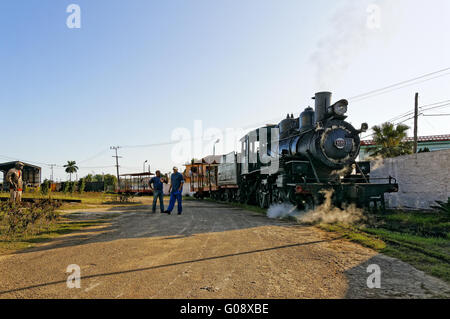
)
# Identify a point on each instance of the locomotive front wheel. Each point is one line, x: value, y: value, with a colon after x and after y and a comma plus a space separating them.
x: 263, y: 199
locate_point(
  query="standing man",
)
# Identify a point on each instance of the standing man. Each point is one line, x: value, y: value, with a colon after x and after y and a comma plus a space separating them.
x: 176, y: 188
x: 157, y: 190
x: 14, y: 178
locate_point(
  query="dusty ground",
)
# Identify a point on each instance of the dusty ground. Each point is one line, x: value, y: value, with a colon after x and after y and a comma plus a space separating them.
x: 211, y: 251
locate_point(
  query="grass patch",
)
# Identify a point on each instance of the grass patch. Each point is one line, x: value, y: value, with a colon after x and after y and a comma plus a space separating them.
x: 353, y: 234
x: 88, y: 199
x: 27, y: 224
x: 63, y: 227
x: 421, y: 239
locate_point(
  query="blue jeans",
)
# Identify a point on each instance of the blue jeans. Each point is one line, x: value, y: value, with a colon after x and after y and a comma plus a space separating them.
x: 158, y: 194
x: 175, y: 196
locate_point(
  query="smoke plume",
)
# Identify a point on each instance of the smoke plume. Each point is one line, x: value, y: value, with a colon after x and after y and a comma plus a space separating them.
x: 326, y: 213
x: 329, y: 214
x: 336, y: 50
x: 281, y: 210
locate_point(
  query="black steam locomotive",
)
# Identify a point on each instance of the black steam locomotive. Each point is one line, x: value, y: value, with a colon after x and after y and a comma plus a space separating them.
x: 296, y: 160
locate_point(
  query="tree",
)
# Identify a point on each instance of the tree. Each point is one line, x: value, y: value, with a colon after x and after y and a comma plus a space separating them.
x: 81, y: 185
x: 72, y: 187
x: 390, y: 142
x: 66, y: 187
x: 98, y: 178
x: 71, y: 168
x: 110, y: 180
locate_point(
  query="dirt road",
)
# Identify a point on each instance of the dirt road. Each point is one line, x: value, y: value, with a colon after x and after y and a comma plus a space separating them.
x: 211, y: 251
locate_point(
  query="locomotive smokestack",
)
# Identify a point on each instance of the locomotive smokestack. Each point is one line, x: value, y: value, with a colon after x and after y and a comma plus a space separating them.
x: 323, y: 102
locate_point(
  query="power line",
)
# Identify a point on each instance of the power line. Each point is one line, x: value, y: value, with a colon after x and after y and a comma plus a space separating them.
x: 422, y: 108
x: 363, y: 95
x: 401, y: 87
x: 94, y: 156
x: 432, y: 104
x: 436, y: 107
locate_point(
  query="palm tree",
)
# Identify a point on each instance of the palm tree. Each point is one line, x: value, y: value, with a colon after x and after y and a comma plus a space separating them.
x: 71, y: 168
x: 389, y: 140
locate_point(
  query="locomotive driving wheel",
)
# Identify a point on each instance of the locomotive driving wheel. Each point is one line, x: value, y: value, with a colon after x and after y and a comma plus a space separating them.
x: 225, y: 196
x: 263, y: 197
x: 278, y: 196
x: 240, y: 196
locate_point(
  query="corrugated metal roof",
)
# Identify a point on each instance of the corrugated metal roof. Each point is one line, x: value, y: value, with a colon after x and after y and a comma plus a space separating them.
x: 9, y: 165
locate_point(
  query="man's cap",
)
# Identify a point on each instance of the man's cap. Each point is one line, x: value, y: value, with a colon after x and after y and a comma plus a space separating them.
x: 175, y: 168
x: 20, y: 164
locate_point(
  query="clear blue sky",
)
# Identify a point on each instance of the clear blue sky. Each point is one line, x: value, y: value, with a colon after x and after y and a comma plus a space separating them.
x: 137, y: 70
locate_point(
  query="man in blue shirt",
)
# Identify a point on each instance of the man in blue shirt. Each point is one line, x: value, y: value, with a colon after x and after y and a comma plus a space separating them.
x: 176, y: 189
x: 157, y: 191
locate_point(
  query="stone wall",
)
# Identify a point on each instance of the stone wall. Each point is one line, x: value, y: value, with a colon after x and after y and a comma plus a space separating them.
x: 422, y: 178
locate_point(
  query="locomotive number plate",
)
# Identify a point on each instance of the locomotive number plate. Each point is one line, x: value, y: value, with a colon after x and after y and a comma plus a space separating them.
x: 340, y: 143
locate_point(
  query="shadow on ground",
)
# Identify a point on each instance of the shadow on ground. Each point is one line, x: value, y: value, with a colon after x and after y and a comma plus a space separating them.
x: 140, y: 222
x: 397, y: 279
x: 192, y: 261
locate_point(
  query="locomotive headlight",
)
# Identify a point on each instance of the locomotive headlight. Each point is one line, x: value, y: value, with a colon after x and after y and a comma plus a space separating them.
x: 340, y: 109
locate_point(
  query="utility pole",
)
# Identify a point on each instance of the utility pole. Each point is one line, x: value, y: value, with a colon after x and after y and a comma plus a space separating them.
x: 117, y: 164
x: 416, y: 120
x: 51, y: 167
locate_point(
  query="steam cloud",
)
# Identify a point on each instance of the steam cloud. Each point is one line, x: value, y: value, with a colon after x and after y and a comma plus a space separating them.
x: 335, y: 51
x: 326, y: 213
x: 329, y: 214
x: 281, y: 211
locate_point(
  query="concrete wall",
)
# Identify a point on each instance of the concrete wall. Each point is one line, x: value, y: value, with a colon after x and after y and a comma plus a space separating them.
x: 422, y: 178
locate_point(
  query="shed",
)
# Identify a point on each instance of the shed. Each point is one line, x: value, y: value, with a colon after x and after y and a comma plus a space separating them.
x: 31, y: 174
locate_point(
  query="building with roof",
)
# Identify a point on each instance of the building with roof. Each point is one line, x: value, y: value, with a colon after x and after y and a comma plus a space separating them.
x: 31, y: 174
x: 433, y: 143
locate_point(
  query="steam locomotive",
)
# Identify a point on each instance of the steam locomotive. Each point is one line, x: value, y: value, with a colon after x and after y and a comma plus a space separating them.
x: 298, y: 159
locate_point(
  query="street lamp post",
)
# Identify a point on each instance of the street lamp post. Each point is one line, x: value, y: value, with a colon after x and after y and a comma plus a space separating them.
x: 143, y: 170
x: 214, y: 147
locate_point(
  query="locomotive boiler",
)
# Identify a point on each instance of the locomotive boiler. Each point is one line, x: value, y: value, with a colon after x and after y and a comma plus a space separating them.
x: 321, y: 136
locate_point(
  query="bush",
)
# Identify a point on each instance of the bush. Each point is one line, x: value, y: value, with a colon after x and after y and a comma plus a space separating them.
x: 45, y: 187
x: 442, y: 207
x: 27, y: 218
x: 125, y: 197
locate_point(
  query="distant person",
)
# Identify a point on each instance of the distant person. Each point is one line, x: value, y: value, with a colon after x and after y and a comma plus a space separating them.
x: 14, y: 178
x: 157, y: 190
x: 175, y: 190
